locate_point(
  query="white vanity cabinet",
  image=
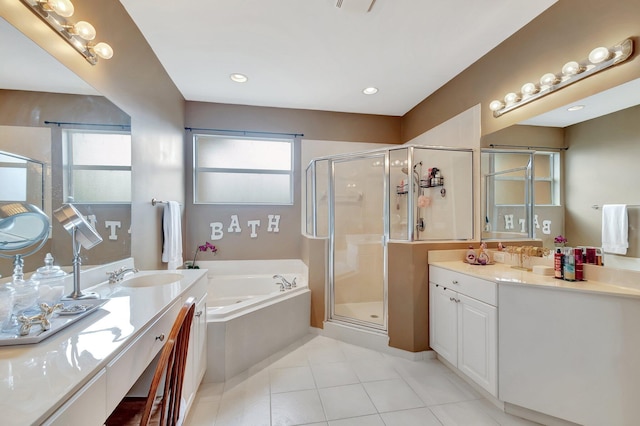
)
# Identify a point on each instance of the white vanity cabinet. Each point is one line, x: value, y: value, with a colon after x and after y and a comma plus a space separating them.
x: 197, y: 356
x: 463, y: 326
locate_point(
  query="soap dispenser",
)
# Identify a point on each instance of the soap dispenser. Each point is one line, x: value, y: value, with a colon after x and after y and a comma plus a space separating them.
x: 471, y: 255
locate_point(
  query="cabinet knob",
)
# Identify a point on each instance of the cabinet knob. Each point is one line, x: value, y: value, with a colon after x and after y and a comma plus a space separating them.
x: 160, y: 337
x: 198, y: 314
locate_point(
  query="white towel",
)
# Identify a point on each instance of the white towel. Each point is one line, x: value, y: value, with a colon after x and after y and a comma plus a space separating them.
x: 615, y: 228
x: 172, y: 230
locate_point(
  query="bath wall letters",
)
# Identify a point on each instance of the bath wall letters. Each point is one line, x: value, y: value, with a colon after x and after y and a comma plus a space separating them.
x: 217, y: 228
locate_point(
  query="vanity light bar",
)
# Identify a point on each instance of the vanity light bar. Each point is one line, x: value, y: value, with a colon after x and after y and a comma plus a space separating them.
x: 599, y: 59
x: 79, y: 35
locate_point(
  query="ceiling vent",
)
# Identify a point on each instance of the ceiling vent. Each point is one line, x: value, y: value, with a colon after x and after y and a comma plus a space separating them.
x: 361, y: 6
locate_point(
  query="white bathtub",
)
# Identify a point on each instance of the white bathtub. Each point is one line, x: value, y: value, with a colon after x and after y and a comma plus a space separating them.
x: 248, y: 317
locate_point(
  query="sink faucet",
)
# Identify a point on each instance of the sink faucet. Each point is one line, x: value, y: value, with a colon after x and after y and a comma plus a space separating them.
x: 117, y: 275
x: 284, y: 284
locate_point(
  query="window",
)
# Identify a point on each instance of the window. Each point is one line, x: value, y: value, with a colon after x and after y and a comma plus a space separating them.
x: 97, y: 166
x: 509, y: 186
x: 242, y: 170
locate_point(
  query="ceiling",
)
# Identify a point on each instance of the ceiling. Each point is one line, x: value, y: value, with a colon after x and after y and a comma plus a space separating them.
x: 306, y: 54
x: 311, y: 54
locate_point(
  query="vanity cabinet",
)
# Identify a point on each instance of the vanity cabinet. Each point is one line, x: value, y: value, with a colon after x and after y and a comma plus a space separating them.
x: 197, y: 356
x: 463, y: 324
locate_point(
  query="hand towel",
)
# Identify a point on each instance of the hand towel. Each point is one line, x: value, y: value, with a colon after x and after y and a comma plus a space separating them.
x: 615, y: 228
x: 172, y: 232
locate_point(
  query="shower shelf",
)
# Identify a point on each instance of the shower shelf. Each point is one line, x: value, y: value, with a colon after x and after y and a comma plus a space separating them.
x: 424, y: 183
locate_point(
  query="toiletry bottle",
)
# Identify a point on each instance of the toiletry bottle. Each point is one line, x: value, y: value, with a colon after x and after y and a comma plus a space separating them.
x: 471, y: 255
x: 578, y: 266
x: 483, y: 255
x: 569, y: 265
x: 558, y: 264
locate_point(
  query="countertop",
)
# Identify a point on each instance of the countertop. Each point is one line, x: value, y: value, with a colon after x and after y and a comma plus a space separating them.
x: 37, y: 379
x: 505, y: 274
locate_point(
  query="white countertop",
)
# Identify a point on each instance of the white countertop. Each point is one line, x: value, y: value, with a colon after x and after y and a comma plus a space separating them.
x: 36, y: 379
x: 505, y: 274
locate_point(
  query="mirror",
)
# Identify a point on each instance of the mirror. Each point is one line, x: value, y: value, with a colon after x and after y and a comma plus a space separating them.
x: 35, y: 88
x: 599, y: 167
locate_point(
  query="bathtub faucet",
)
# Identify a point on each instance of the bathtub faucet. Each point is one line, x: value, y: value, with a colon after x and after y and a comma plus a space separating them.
x: 284, y: 284
x: 117, y: 275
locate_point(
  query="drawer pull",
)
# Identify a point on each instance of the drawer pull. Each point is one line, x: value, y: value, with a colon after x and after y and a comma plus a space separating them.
x: 160, y: 337
x: 198, y: 314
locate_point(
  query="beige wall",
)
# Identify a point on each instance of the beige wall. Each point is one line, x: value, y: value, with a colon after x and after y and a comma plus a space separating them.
x: 568, y: 30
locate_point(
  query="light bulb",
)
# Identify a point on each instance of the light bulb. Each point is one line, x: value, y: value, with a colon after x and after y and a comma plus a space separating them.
x: 61, y: 7
x: 103, y: 50
x: 496, y: 105
x: 238, y: 78
x: 548, y: 79
x: 529, y: 89
x: 84, y: 30
x: 571, y: 68
x: 599, y: 54
x: 511, y: 98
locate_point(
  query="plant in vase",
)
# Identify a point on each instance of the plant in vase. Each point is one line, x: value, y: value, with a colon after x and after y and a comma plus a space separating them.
x: 559, y: 241
x: 205, y: 247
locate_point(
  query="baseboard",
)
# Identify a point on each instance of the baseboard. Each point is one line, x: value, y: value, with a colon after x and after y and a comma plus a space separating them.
x: 378, y: 341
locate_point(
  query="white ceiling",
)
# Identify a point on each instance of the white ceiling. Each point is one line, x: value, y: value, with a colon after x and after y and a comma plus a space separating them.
x: 310, y: 54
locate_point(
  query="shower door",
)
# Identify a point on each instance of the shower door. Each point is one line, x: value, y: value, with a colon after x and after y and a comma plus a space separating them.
x: 358, y: 243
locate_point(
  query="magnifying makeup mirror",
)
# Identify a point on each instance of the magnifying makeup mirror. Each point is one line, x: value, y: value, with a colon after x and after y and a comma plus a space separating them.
x: 22, y: 226
x: 82, y: 235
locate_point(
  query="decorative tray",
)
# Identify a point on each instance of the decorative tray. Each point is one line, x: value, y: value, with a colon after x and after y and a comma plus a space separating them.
x: 72, y: 311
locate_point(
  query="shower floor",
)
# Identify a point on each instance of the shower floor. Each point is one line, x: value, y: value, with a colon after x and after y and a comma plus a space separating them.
x: 363, y: 311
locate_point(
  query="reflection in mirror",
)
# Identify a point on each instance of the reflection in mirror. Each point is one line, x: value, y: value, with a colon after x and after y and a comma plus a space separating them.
x: 35, y: 113
x: 599, y: 165
x: 27, y: 179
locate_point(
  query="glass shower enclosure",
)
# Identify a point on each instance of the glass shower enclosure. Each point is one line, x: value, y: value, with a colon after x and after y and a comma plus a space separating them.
x: 361, y: 201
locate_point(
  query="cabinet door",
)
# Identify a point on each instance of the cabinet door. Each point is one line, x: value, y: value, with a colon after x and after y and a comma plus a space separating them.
x: 443, y: 322
x: 200, y: 349
x: 477, y: 342
x: 196, y: 358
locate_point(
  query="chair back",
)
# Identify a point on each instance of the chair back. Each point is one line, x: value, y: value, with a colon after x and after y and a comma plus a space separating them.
x: 171, y: 366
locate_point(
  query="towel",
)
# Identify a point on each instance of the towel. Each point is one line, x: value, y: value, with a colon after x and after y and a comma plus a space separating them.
x: 172, y: 230
x: 615, y: 228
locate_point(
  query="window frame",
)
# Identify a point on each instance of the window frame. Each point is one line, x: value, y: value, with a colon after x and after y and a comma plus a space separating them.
x: 553, y: 179
x: 267, y: 138
x: 69, y: 167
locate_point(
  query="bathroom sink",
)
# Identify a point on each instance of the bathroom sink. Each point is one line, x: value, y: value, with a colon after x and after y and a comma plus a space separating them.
x: 144, y: 279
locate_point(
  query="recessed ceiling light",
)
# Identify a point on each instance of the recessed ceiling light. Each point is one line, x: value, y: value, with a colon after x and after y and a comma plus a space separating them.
x: 575, y: 108
x: 238, y: 78
x: 370, y: 90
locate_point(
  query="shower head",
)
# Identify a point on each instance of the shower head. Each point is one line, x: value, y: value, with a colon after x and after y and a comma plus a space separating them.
x: 405, y: 169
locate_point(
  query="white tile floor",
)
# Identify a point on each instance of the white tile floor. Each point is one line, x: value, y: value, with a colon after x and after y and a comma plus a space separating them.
x: 322, y: 381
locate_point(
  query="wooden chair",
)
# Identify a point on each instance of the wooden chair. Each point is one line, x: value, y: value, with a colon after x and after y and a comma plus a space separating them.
x: 164, y: 409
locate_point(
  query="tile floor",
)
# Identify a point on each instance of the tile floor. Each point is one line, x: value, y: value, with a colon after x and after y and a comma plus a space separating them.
x: 322, y: 381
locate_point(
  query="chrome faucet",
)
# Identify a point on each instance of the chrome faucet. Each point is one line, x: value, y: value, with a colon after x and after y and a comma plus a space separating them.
x: 284, y: 284
x: 117, y: 275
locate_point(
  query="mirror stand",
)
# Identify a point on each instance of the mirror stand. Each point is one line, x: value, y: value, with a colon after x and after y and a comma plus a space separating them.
x: 77, y: 293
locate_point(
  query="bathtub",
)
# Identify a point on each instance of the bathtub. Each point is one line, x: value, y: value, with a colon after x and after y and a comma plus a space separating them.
x: 248, y: 317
